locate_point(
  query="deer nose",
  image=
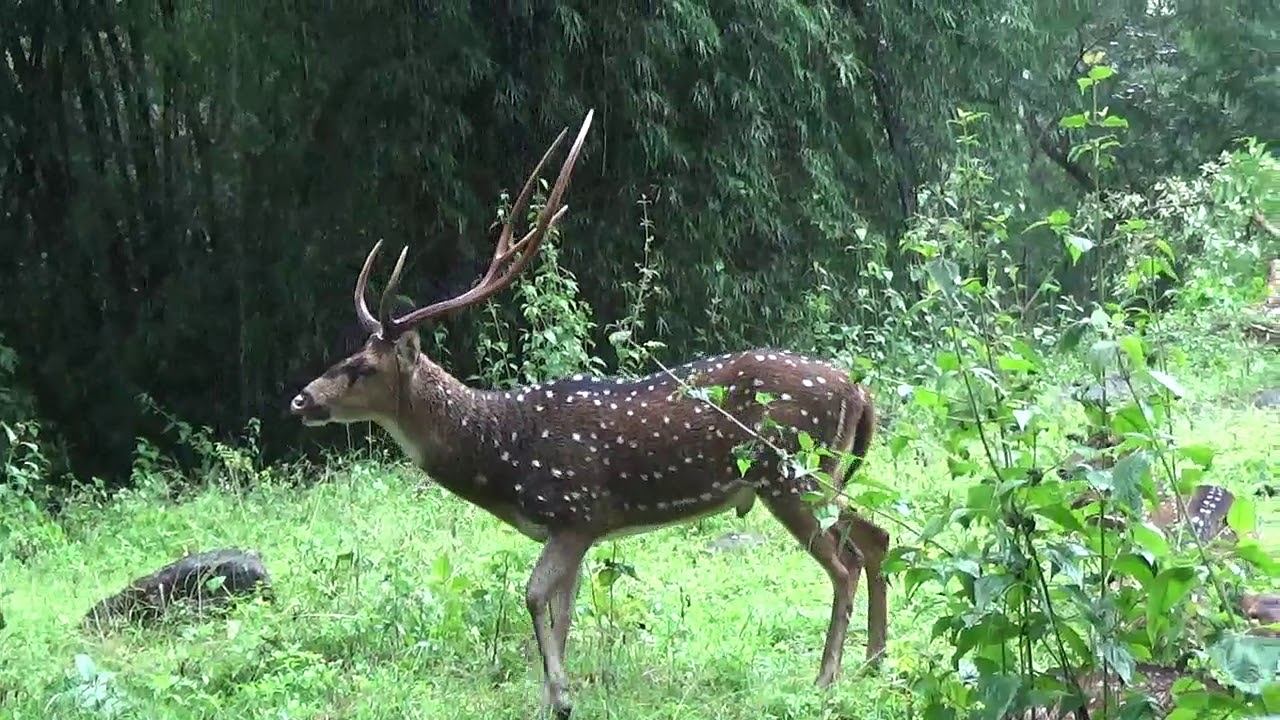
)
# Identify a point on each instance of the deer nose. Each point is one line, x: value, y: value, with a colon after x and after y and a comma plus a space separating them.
x: 300, y: 402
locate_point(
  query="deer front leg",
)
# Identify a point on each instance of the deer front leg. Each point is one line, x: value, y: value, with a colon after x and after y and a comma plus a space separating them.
x: 798, y: 517
x: 557, y: 567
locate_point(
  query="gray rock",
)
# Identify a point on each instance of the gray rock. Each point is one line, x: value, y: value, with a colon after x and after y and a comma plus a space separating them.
x: 1266, y: 399
x: 1113, y: 387
x: 201, y: 581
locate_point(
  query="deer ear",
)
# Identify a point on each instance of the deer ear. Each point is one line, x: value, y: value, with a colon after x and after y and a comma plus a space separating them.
x: 408, y: 346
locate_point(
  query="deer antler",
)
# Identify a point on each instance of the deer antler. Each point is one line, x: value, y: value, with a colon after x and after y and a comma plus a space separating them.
x: 493, y: 280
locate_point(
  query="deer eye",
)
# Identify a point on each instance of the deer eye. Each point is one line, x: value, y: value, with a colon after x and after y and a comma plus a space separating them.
x: 357, y: 370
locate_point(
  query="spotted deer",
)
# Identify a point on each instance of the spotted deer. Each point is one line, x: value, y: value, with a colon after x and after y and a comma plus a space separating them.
x: 577, y: 460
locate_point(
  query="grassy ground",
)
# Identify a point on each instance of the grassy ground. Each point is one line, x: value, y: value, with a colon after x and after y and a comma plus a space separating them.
x: 395, y: 600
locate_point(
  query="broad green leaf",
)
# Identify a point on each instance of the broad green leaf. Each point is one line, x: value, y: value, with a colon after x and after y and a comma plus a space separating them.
x: 1132, y: 346
x: 1063, y: 516
x: 1271, y: 696
x: 1013, y: 363
x: 1102, y: 353
x: 1151, y: 540
x: 1074, y: 121
x: 997, y: 693
x: 1129, y: 419
x: 1072, y: 336
x: 1250, y: 551
x: 943, y: 272
x: 1242, y: 516
x: 988, y: 589
x: 1197, y: 453
x: 1134, y: 566
x: 1169, y: 587
x: 898, y: 443
x: 1247, y: 662
x: 925, y: 397
x: 1100, y: 72
x: 1116, y: 654
x: 1168, y: 382
x: 1077, y: 245
x: 1126, y: 479
x: 947, y: 361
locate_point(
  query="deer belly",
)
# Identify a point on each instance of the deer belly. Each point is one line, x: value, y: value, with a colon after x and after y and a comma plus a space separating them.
x: 642, y: 518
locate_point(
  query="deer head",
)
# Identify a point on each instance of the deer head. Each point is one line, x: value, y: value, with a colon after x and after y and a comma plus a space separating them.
x: 370, y: 384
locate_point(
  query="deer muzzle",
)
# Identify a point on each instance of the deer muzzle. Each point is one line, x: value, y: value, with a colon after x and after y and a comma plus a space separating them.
x: 304, y: 406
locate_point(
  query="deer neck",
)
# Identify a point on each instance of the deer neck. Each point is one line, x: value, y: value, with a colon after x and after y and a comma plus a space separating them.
x: 442, y: 426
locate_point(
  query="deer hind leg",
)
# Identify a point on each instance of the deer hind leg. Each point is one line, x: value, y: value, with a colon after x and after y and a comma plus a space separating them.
x: 562, y: 608
x: 557, y: 567
x: 863, y: 545
x: 798, y: 518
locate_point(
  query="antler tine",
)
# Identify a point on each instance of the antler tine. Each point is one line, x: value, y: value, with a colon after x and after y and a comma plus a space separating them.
x: 492, y: 281
x: 384, y: 303
x: 550, y: 214
x: 517, y: 208
x: 367, y: 320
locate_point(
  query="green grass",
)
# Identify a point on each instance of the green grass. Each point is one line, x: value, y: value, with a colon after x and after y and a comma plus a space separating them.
x: 396, y: 600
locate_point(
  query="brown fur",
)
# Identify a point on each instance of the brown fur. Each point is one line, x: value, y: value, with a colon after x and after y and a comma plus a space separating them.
x: 580, y: 459
x: 1263, y: 609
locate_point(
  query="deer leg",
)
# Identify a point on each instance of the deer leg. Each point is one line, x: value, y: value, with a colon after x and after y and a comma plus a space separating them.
x: 799, y: 519
x: 863, y: 547
x: 557, y: 566
x: 562, y: 608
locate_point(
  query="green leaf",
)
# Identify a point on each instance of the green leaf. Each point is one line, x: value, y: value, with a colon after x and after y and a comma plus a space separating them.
x: 1100, y: 72
x: 898, y: 443
x: 947, y: 361
x: 1242, y: 516
x: 1135, y: 566
x: 1197, y: 453
x: 1074, y: 121
x: 1023, y: 417
x: 1072, y: 336
x: 1129, y: 419
x: 1059, y: 217
x: 1169, y: 587
x: 1013, y: 363
x: 943, y: 272
x: 1061, y: 515
x: 1247, y: 662
x: 1126, y: 480
x: 1077, y: 245
x: 1271, y: 697
x: 1132, y: 346
x: 997, y: 693
x: 1150, y: 539
x: 925, y: 397
x: 1250, y: 551
x: 1116, y: 654
x: 1173, y: 386
x: 988, y: 589
x: 1101, y: 354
